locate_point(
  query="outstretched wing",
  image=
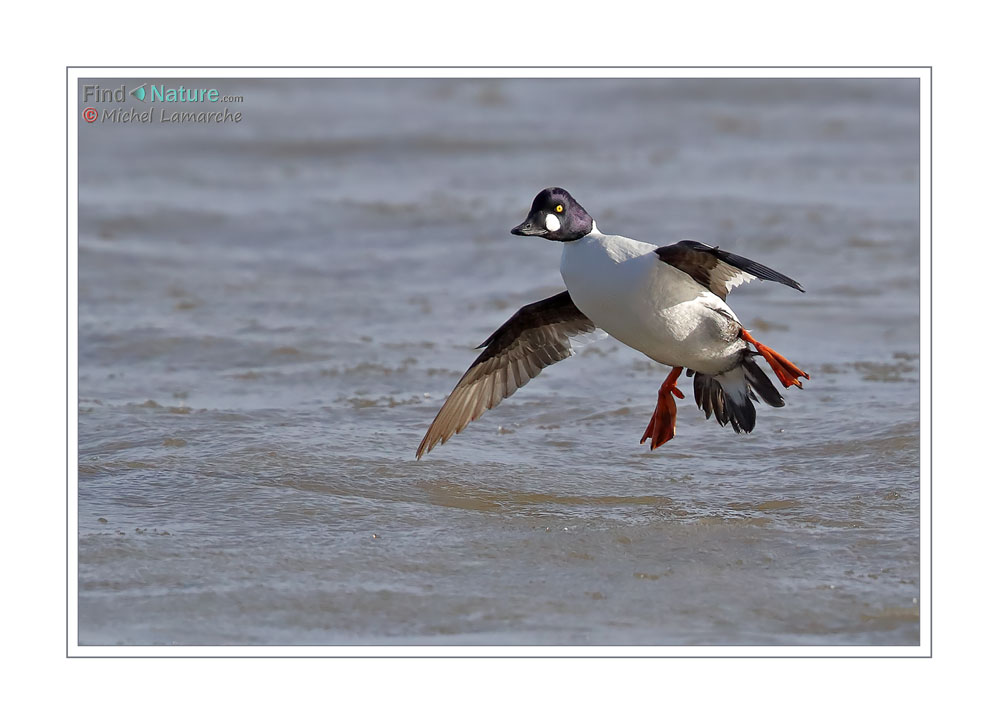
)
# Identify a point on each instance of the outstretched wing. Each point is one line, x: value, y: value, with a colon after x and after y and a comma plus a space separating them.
x: 717, y: 269
x: 535, y: 337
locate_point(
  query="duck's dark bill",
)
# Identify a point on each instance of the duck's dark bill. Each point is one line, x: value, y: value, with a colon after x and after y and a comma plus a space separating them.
x: 530, y: 228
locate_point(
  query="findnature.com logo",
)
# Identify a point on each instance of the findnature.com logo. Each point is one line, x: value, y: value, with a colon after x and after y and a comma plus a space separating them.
x: 158, y: 93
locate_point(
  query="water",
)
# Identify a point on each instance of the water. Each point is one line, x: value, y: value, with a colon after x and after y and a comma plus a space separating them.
x: 271, y: 313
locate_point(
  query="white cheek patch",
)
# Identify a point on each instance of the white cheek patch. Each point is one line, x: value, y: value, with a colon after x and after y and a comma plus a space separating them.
x: 552, y: 223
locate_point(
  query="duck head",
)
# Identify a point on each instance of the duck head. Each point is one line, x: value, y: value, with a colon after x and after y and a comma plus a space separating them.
x: 555, y: 215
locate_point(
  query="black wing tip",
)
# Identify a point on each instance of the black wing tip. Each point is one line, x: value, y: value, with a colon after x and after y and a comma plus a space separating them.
x: 792, y: 284
x: 761, y: 271
x: 780, y: 278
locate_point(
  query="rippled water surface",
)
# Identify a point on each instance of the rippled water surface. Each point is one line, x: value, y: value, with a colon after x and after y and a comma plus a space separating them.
x: 271, y: 313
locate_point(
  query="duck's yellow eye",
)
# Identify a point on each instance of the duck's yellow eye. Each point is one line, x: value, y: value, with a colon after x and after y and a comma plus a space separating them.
x: 559, y: 208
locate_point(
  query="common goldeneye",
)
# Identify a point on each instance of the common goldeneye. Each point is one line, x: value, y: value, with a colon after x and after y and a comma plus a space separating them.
x: 666, y: 302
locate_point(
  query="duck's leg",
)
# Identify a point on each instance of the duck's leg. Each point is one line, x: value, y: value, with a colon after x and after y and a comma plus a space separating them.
x: 663, y: 424
x: 787, y: 372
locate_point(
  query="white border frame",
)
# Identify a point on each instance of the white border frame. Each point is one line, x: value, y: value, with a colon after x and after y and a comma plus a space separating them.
x: 73, y: 109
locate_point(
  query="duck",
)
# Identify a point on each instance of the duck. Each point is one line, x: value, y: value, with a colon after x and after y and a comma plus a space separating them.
x: 667, y: 302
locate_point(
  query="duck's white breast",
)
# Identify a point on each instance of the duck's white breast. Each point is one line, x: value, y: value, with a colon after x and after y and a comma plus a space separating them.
x: 623, y: 286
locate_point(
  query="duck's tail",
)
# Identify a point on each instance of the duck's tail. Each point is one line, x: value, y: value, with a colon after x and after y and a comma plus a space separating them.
x: 730, y: 395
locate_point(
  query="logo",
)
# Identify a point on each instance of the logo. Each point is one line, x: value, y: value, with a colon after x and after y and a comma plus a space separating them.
x: 161, y: 103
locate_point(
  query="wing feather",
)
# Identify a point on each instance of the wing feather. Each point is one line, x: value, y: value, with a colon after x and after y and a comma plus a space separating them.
x: 536, y: 336
x: 717, y: 269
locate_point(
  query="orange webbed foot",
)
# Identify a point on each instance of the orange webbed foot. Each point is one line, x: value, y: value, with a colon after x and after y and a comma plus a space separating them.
x: 662, y: 426
x: 785, y: 370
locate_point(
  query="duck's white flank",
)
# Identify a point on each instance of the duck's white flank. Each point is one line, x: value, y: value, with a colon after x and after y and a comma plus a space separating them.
x: 653, y: 307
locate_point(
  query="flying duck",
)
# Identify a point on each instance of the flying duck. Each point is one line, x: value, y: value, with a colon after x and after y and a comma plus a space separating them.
x: 666, y: 302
